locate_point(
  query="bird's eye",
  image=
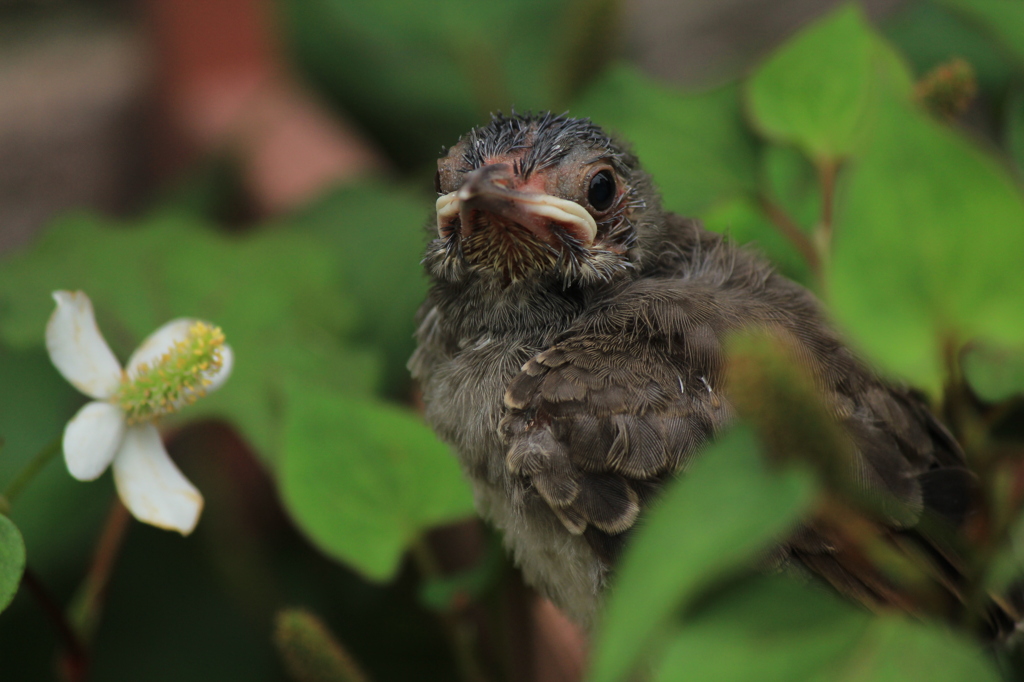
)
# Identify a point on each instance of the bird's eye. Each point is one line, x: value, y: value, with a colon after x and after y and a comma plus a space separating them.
x: 601, y: 192
x: 437, y: 181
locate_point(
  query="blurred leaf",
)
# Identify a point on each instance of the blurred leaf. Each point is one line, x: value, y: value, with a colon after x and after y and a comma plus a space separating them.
x: 774, y: 629
x: 791, y: 181
x: 1001, y: 19
x: 417, y: 74
x: 928, y: 34
x: 57, y: 516
x: 694, y: 145
x: 589, y: 37
x: 895, y: 649
x: 364, y: 479
x: 769, y: 629
x: 677, y: 553
x: 995, y: 374
x: 12, y: 560
x: 377, y: 234
x: 309, y: 650
x: 275, y: 294
x: 940, y: 227
x: 744, y: 221
x: 815, y: 90
x: 773, y: 391
x: 1007, y: 566
x: 1014, y: 135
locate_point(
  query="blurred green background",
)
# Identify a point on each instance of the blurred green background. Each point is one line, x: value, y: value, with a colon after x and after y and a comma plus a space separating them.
x: 267, y: 166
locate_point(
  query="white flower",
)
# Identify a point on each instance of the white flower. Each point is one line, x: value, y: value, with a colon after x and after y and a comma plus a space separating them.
x: 176, y: 364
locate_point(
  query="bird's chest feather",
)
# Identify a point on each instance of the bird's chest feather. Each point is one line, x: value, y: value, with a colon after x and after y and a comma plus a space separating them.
x: 464, y: 398
x: 464, y: 395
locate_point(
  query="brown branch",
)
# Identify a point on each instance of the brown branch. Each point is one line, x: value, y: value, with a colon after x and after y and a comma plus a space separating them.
x: 789, y: 229
x: 827, y: 176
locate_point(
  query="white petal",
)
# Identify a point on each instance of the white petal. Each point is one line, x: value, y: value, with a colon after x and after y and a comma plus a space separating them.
x: 159, y: 342
x: 227, y: 364
x: 91, y: 439
x: 78, y: 350
x: 149, y: 484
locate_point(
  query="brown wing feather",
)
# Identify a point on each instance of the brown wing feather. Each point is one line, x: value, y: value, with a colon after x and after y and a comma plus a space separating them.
x: 623, y: 400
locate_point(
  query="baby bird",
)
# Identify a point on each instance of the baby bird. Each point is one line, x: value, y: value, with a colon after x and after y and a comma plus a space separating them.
x: 571, y: 352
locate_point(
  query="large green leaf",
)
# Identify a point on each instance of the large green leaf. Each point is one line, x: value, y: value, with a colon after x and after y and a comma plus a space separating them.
x: 1002, y: 19
x: 12, y: 560
x: 774, y: 629
x: 770, y: 629
x: 895, y: 649
x: 377, y: 234
x: 927, y: 249
x: 995, y: 374
x: 694, y: 145
x: 57, y: 516
x: 815, y: 90
x: 364, y: 479
x: 1014, y: 132
x: 275, y: 294
x: 715, y: 520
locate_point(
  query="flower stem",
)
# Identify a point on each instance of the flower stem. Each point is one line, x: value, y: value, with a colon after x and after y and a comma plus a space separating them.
x: 27, y: 473
x: 75, y: 662
x: 87, y: 605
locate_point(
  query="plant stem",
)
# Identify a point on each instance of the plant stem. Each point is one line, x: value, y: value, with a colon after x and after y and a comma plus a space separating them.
x: 88, y: 602
x: 789, y: 229
x: 458, y: 631
x: 76, y: 658
x: 27, y: 473
x: 827, y: 177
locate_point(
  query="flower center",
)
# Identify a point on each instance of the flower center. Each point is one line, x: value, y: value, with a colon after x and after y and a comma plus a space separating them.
x: 179, y: 377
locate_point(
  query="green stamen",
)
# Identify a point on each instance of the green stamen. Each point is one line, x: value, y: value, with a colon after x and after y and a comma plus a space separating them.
x: 179, y: 377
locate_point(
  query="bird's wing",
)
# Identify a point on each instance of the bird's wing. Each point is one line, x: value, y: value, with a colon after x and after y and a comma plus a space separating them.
x: 622, y: 401
x: 595, y: 424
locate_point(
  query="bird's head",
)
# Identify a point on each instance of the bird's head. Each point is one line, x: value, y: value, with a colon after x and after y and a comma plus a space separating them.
x: 547, y: 196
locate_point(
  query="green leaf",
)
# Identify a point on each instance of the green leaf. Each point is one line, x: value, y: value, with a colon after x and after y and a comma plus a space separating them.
x: 995, y: 374
x: 1014, y: 135
x: 770, y: 629
x: 364, y: 479
x: 1007, y: 565
x: 774, y: 629
x: 678, y: 552
x: 12, y: 560
x: 814, y: 91
x: 928, y: 240
x: 58, y: 517
x: 695, y: 146
x: 276, y: 295
x: 376, y: 234
x: 792, y: 182
x: 895, y: 649
x: 1001, y: 19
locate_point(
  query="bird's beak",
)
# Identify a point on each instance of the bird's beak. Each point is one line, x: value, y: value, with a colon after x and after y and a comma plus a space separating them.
x: 490, y: 190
